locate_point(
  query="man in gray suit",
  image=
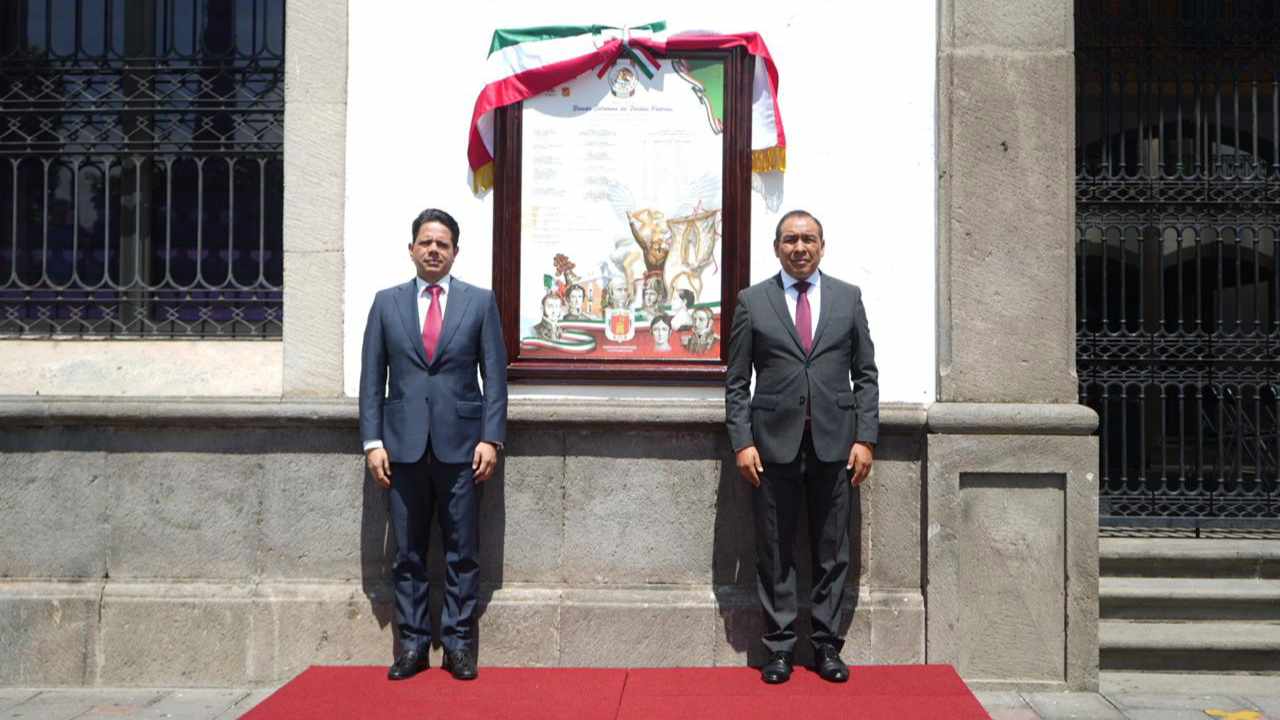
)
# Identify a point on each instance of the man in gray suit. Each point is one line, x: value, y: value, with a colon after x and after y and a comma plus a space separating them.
x: 434, y: 436
x: 808, y: 434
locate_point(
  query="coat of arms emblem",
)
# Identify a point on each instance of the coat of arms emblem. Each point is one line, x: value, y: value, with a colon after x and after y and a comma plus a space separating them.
x: 619, y: 324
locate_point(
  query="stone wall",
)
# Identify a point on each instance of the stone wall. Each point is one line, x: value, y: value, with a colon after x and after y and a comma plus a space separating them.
x: 202, y: 543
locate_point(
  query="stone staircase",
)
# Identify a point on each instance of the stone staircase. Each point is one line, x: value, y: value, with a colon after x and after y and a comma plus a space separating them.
x: 1190, y: 605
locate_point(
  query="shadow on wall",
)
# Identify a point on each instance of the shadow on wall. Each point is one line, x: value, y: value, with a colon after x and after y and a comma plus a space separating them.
x: 571, y: 507
x: 734, y: 573
x: 378, y: 552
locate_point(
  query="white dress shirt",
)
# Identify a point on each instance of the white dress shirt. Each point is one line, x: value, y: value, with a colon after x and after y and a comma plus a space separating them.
x: 815, y: 298
x: 424, y: 304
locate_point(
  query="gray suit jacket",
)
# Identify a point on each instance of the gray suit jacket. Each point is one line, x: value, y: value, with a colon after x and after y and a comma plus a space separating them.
x: 438, y: 401
x: 837, y: 381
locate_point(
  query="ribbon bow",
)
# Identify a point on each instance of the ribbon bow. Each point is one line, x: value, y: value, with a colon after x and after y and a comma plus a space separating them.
x: 638, y: 54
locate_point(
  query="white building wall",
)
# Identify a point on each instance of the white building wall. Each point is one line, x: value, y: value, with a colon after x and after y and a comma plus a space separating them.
x: 857, y: 100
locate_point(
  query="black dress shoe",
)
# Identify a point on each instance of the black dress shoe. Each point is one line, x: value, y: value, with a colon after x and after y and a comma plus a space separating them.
x: 829, y: 665
x: 461, y: 663
x: 410, y: 663
x: 778, y: 669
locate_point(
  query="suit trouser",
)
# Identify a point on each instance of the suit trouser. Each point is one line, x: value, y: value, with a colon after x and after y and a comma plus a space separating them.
x: 417, y: 491
x: 825, y: 489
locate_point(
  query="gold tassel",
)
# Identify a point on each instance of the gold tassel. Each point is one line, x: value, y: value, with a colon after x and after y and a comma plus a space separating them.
x: 482, y: 179
x: 772, y: 159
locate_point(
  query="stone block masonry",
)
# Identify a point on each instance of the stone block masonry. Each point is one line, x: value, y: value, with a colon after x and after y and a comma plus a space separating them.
x: 222, y: 544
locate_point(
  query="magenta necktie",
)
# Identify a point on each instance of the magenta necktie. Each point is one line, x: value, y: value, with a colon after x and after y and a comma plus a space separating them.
x: 431, y: 328
x: 804, y: 320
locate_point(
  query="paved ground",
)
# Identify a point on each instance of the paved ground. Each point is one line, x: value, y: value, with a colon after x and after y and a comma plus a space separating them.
x: 152, y: 704
x: 1137, y: 706
x: 1135, y: 696
x: 1147, y: 696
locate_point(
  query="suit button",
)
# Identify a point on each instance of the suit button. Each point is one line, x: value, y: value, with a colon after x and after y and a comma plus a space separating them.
x: 801, y: 401
x: 807, y: 364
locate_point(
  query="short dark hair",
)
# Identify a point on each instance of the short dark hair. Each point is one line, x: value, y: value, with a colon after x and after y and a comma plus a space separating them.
x: 660, y: 318
x: 576, y: 288
x: 687, y: 296
x: 434, y: 215
x: 777, y: 232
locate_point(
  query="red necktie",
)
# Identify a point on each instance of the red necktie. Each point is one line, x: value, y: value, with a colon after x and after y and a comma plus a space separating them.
x: 431, y: 328
x: 804, y: 320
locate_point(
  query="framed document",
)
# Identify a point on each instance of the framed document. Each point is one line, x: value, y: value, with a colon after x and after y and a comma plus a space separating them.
x: 621, y: 218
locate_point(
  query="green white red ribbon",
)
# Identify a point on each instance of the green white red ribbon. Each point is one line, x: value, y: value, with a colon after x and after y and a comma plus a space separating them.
x: 524, y: 62
x: 570, y: 341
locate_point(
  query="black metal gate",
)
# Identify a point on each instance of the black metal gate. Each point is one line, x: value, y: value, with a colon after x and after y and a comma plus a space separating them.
x: 1178, y: 235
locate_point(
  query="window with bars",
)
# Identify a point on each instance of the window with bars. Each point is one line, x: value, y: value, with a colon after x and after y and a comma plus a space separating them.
x: 141, y: 179
x: 1178, y: 241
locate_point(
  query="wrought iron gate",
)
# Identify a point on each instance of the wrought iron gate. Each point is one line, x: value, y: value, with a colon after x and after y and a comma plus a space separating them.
x: 1178, y: 235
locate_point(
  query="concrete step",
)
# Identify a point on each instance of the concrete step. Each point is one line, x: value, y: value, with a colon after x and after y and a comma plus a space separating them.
x: 1209, y: 646
x: 1189, y: 557
x: 1141, y: 598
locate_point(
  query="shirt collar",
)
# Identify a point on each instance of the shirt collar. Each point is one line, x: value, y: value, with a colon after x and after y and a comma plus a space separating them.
x: 422, y: 284
x: 788, y: 282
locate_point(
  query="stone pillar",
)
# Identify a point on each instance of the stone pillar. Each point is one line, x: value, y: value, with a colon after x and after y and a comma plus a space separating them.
x: 315, y: 140
x: 1011, y: 510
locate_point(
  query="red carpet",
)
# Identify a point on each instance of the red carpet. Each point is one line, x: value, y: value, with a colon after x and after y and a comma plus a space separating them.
x: 900, y: 692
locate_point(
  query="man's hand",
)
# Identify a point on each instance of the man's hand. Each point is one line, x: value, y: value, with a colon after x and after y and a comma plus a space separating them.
x: 484, y: 462
x: 859, y: 465
x: 379, y: 465
x: 749, y: 465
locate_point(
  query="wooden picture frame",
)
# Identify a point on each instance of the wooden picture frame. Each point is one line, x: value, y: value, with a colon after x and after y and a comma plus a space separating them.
x: 734, y: 244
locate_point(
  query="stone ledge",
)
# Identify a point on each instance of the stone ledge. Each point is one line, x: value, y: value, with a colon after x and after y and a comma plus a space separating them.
x: 199, y: 412
x: 630, y: 411
x: 1011, y: 419
x: 233, y: 635
x: 724, y: 596
x: 944, y: 418
x: 50, y: 590
x: 19, y: 411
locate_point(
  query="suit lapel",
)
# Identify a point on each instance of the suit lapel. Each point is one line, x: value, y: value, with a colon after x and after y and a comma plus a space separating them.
x: 407, y: 305
x: 455, y: 310
x: 824, y: 311
x: 778, y: 299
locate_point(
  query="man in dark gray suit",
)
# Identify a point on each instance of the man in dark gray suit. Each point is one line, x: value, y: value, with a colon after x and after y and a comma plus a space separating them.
x: 434, y: 436
x: 808, y: 434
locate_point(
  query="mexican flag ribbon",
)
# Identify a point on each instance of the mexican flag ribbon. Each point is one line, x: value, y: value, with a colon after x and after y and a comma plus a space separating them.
x: 524, y: 62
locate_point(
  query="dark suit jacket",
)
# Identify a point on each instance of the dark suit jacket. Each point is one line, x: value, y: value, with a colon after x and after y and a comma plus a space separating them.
x: 440, y: 401
x: 837, y: 381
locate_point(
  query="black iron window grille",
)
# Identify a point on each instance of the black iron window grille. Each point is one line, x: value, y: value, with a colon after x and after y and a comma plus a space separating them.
x: 1178, y: 236
x: 141, y: 179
